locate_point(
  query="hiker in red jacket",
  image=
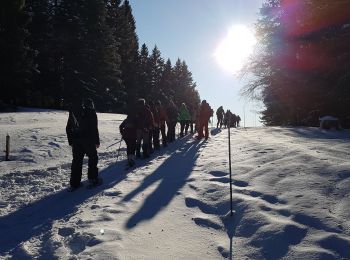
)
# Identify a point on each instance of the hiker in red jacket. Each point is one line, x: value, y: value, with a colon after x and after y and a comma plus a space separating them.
x: 205, y: 112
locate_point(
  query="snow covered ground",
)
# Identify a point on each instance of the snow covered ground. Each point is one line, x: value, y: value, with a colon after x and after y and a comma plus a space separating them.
x: 290, y: 195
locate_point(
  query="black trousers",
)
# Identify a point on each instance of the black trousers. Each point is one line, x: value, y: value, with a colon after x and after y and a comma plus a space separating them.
x: 142, y: 137
x: 130, y: 145
x: 184, y: 124
x: 80, y: 148
x: 164, y: 137
x: 220, y: 122
x: 150, y: 142
x: 171, y: 130
x: 155, y: 133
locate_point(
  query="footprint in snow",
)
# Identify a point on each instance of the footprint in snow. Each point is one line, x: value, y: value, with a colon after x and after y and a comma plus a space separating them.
x: 240, y: 183
x: 26, y: 150
x: 218, y: 209
x: 272, y: 199
x: 314, y: 222
x: 54, y: 144
x: 65, y: 232
x: 95, y: 206
x: 340, y: 246
x: 218, y: 173
x: 78, y: 242
x: 207, y: 223
x: 193, y: 187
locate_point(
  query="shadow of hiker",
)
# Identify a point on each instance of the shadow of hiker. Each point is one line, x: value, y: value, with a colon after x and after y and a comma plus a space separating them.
x: 38, y: 217
x: 173, y: 174
x: 215, y: 131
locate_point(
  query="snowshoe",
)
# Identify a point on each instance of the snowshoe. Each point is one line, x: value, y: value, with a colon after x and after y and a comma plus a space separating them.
x: 130, y: 164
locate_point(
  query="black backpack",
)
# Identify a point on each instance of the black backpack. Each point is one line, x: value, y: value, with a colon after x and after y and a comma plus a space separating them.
x: 76, y: 125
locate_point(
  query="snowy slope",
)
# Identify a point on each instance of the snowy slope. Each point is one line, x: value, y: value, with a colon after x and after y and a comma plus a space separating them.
x: 290, y: 195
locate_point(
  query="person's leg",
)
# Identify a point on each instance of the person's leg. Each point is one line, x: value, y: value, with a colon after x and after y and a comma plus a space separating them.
x: 182, y: 127
x: 173, y: 137
x: 164, y: 137
x: 130, y: 150
x: 145, y: 144
x: 187, y: 124
x: 156, y: 144
x: 77, y: 164
x: 150, y: 141
x: 200, y: 130
x: 91, y: 152
x: 169, y: 131
x: 138, y: 143
x: 206, y: 130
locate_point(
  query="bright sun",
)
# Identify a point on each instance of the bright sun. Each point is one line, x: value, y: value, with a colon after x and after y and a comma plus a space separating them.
x: 235, y: 48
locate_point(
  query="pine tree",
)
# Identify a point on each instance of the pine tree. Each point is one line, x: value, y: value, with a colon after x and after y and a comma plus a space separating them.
x: 182, y: 78
x: 156, y: 65
x: 144, y: 74
x: 16, y: 57
x: 166, y: 82
x: 125, y: 34
x: 44, y: 87
x: 302, y: 60
x: 70, y: 31
x: 104, y: 58
x: 89, y: 52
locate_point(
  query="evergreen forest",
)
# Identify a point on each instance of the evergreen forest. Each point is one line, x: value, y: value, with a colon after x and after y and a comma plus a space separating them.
x: 56, y: 51
x: 301, y: 68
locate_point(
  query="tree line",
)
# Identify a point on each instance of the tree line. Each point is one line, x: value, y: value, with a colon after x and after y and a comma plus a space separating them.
x: 55, y: 51
x: 301, y: 68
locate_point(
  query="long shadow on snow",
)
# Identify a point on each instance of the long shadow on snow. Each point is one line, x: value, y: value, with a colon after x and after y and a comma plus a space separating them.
x: 37, y: 218
x: 173, y: 174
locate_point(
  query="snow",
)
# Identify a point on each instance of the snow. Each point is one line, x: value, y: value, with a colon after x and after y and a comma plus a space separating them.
x: 290, y: 195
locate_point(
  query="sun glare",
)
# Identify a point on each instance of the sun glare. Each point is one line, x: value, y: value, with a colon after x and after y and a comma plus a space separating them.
x: 233, y: 51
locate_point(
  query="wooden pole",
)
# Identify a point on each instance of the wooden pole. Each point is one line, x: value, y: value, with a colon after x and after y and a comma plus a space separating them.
x: 7, y: 151
x: 229, y: 161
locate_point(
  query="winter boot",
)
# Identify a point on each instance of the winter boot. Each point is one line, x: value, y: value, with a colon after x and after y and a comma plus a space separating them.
x: 95, y: 182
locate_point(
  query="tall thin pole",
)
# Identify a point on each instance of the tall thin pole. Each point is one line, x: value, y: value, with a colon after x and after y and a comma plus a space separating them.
x: 7, y: 151
x: 229, y: 161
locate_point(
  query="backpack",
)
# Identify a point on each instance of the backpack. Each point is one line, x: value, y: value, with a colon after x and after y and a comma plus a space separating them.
x: 76, y: 127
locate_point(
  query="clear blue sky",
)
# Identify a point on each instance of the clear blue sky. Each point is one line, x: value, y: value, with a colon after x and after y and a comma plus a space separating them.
x: 191, y: 30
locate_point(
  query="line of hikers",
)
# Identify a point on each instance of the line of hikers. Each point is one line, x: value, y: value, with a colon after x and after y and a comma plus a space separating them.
x: 145, y: 122
x: 227, y: 119
x: 141, y: 129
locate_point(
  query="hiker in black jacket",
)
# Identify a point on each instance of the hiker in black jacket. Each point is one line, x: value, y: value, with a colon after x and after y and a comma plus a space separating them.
x: 83, y: 136
x: 128, y: 131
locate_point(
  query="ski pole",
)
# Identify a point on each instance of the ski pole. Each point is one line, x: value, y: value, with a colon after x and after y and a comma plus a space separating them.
x: 118, y: 152
x: 114, y: 143
x: 229, y: 161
